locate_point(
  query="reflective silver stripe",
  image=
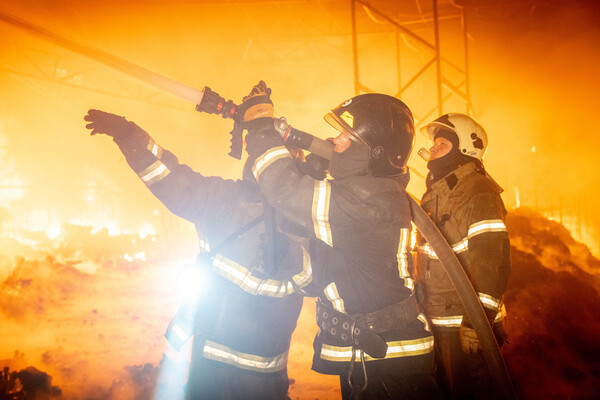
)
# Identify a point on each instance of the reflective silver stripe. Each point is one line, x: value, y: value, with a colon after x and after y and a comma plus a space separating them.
x: 333, y: 296
x: 180, y: 332
x: 303, y: 278
x: 242, y: 277
x: 204, y: 246
x: 396, y: 349
x: 154, y: 173
x: 269, y: 158
x: 425, y: 321
x: 501, y: 314
x: 492, y: 225
x: 448, y: 322
x: 427, y: 250
x: 409, y: 283
x: 402, y: 258
x: 455, y: 320
x: 489, y: 301
x: 320, y: 211
x: 457, y: 248
x: 251, y: 362
x: 155, y: 149
x: 461, y: 246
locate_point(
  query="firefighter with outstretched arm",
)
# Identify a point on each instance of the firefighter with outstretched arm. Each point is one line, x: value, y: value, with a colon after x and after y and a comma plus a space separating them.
x: 241, y: 331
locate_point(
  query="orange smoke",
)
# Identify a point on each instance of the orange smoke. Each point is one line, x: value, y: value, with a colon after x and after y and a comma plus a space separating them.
x: 78, y: 267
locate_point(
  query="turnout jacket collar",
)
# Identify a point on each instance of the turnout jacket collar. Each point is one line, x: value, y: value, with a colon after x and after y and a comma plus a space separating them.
x: 446, y: 184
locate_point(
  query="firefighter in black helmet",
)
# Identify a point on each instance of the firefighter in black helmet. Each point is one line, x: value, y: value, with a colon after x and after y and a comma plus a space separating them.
x: 383, y: 124
x: 371, y: 333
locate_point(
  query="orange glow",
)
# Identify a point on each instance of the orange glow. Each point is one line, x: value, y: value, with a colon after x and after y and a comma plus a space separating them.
x: 69, y: 202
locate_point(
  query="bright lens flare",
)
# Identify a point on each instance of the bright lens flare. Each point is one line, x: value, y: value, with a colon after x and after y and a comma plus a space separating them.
x: 191, y: 280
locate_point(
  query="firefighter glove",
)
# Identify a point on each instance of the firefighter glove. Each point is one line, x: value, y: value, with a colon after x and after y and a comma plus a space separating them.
x: 109, y: 124
x: 468, y: 340
x: 257, y: 104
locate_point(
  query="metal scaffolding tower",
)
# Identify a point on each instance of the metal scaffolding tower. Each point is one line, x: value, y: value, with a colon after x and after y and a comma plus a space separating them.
x: 445, y: 87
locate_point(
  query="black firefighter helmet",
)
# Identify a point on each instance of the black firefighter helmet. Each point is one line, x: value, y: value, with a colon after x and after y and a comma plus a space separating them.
x: 384, y: 124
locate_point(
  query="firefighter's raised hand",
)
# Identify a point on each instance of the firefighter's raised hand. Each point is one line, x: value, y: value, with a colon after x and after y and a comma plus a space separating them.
x: 107, y: 123
x: 468, y: 340
x: 257, y: 104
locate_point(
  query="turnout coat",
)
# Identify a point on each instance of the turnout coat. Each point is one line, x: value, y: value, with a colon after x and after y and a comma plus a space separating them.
x: 249, y: 330
x: 359, y: 230
x: 467, y: 208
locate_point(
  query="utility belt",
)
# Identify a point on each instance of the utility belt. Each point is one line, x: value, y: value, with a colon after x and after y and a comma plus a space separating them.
x: 361, y: 330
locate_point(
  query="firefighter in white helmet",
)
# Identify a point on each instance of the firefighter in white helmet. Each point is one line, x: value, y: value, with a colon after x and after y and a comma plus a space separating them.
x: 465, y: 204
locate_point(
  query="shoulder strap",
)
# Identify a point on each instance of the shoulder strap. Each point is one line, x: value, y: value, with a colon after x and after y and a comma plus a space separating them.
x: 243, y: 229
x: 270, y: 261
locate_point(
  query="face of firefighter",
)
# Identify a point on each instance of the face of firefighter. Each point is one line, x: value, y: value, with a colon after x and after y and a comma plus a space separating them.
x: 341, y: 142
x: 441, y: 147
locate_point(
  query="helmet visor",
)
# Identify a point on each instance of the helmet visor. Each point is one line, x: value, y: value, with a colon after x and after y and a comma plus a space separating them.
x: 340, y: 126
x: 433, y: 127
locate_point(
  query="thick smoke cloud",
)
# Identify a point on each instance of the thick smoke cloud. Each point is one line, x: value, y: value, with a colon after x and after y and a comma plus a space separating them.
x: 82, y: 309
x: 29, y: 383
x: 532, y: 76
x: 99, y: 335
x: 83, y: 313
x: 552, y: 301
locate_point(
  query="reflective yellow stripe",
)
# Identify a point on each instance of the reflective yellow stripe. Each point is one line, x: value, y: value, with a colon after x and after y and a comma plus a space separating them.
x: 489, y: 301
x: 320, y: 211
x: 409, y: 283
x: 224, y: 354
x: 454, y: 321
x: 492, y: 225
x: 333, y: 296
x: 303, y: 278
x: 269, y: 158
x: 426, y: 250
x: 402, y: 258
x: 204, y: 246
x: 461, y: 246
x: 448, y: 322
x: 501, y: 314
x: 155, y: 149
x: 457, y: 248
x: 154, y: 173
x: 183, y: 335
x: 242, y: 277
x: 396, y: 349
x: 425, y: 321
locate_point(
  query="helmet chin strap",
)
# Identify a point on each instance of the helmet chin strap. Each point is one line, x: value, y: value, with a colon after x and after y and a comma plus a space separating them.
x: 442, y: 166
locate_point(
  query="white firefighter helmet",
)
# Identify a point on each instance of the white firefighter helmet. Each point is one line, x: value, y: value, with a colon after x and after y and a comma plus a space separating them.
x: 472, y: 139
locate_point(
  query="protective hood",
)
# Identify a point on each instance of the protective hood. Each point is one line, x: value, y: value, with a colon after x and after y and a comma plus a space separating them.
x: 351, y: 162
x: 443, y: 166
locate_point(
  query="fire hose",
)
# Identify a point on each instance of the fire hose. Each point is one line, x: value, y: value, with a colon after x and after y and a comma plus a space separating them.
x: 450, y: 263
x: 210, y: 102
